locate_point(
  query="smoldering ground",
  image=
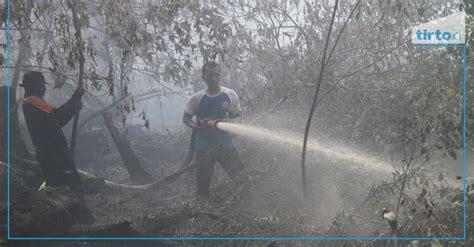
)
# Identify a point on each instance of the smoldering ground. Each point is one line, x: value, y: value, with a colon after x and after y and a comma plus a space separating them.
x: 385, y: 137
x: 269, y: 190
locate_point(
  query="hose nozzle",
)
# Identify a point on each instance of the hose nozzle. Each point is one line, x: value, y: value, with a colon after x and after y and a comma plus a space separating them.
x: 208, y: 123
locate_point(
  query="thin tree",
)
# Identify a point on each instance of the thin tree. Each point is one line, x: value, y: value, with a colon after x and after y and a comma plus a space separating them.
x: 80, y: 47
x: 313, y: 105
x: 317, y: 99
x: 18, y: 147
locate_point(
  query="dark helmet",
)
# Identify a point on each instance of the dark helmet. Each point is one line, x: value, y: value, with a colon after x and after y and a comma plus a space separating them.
x: 33, y: 78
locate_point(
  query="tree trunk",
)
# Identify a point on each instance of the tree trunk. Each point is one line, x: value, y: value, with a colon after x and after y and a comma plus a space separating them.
x: 315, y: 100
x: 17, y: 146
x: 80, y: 47
x: 128, y: 156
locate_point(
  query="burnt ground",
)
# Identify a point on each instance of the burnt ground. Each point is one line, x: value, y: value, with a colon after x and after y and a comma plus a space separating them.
x: 265, y: 200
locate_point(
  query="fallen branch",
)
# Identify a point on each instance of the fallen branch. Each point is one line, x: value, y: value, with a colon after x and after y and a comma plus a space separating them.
x: 127, y: 154
x: 100, y: 111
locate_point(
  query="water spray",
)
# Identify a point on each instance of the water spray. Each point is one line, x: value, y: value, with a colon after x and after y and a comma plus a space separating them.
x: 338, y: 152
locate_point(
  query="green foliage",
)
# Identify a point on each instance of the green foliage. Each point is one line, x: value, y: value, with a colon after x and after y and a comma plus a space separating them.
x: 459, y: 197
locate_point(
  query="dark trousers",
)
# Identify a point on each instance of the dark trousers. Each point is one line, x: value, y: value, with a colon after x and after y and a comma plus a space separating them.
x: 59, y: 169
x: 228, y: 158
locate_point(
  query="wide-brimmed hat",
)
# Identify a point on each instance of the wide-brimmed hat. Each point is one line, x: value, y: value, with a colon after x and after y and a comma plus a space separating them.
x: 34, y: 78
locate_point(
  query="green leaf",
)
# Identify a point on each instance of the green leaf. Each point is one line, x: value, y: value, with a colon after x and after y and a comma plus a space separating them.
x: 420, y: 11
x: 459, y: 197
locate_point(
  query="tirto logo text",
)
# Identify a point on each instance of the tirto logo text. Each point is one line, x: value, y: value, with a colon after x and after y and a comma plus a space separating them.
x: 438, y: 35
x: 446, y: 30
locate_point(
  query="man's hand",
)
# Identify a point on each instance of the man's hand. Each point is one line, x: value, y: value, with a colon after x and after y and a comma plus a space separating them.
x: 80, y: 91
x: 208, y: 123
x: 79, y: 105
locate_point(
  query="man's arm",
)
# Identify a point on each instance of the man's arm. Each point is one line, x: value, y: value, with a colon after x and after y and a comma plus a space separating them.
x: 235, y: 109
x: 65, y: 112
x: 188, y: 120
x: 190, y: 110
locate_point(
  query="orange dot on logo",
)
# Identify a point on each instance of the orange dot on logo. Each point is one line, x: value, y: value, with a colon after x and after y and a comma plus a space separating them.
x: 225, y: 104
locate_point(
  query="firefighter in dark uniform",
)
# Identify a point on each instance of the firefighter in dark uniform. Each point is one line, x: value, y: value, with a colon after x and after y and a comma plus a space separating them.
x: 44, y: 123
